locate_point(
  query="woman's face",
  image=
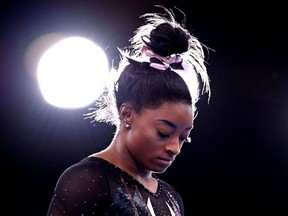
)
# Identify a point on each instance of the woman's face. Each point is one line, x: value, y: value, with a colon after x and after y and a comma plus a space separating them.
x: 156, y: 136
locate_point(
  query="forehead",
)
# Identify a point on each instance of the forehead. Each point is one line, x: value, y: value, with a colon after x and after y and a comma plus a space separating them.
x: 178, y: 113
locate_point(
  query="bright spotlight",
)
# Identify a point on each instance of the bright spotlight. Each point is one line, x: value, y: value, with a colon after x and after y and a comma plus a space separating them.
x: 71, y: 74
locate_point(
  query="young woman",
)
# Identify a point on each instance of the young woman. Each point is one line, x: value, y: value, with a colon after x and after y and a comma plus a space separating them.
x: 152, y: 103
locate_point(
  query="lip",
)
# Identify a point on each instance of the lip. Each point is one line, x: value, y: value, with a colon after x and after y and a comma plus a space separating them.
x: 166, y: 161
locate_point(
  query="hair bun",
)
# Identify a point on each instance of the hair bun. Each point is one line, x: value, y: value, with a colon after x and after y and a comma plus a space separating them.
x: 166, y: 40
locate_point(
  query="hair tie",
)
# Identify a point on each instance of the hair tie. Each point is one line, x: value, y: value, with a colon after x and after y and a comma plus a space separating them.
x: 158, y: 64
x: 163, y: 63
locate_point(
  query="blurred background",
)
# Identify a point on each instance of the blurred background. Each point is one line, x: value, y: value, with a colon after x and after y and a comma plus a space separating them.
x: 237, y: 163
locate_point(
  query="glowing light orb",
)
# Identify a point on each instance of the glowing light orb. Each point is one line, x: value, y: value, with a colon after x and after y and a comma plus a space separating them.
x: 71, y: 74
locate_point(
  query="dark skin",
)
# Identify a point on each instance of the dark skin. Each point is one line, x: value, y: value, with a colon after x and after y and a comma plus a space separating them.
x: 151, y: 142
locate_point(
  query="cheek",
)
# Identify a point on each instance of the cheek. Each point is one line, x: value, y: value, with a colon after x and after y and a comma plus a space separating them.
x: 145, y: 140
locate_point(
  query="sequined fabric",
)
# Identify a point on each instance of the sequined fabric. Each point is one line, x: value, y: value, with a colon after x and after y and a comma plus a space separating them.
x: 94, y: 186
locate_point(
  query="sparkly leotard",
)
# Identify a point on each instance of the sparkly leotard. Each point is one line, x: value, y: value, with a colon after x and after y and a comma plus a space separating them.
x: 93, y: 186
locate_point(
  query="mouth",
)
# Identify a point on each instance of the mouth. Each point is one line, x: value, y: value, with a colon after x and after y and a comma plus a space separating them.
x: 166, y: 161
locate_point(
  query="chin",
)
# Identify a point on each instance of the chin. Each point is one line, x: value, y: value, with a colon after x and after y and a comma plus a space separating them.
x: 160, y: 169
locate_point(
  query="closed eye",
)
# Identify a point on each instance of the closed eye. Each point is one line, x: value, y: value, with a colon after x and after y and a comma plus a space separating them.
x: 162, y: 135
x: 186, y: 139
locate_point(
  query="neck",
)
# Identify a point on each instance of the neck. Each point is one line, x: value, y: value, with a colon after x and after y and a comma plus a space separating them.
x: 127, y: 164
x: 117, y: 154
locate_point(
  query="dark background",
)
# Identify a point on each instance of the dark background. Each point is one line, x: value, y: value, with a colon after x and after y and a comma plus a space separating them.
x: 237, y: 163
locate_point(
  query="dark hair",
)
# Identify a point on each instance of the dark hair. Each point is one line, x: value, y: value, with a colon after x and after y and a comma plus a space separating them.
x: 146, y: 87
x: 166, y: 40
x: 136, y: 81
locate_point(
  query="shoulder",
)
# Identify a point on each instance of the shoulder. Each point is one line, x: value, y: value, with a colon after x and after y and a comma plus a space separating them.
x: 90, y: 163
x: 86, y: 171
x: 83, y: 184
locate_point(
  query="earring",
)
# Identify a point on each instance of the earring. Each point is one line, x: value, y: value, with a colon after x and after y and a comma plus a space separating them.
x: 126, y: 125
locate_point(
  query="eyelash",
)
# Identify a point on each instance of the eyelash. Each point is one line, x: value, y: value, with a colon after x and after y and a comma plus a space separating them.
x: 162, y: 135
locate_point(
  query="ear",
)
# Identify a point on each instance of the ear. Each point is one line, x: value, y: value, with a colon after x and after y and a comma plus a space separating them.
x: 125, y: 112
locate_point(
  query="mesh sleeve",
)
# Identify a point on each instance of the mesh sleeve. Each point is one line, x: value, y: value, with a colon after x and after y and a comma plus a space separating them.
x: 81, y: 190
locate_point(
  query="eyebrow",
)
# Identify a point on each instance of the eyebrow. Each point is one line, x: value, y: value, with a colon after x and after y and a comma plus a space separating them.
x: 171, y: 124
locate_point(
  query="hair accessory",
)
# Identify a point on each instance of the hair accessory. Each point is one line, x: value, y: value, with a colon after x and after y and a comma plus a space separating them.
x: 162, y: 63
x: 158, y: 64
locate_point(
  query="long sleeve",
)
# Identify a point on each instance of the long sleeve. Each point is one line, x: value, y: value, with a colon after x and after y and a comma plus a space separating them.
x: 81, y: 190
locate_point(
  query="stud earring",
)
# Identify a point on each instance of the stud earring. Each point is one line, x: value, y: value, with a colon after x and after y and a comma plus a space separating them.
x: 126, y: 125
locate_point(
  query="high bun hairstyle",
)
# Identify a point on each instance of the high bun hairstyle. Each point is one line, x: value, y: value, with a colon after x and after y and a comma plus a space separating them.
x: 164, y: 63
x: 166, y: 40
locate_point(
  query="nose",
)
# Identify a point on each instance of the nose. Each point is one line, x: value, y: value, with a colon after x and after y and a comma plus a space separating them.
x: 173, y: 147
